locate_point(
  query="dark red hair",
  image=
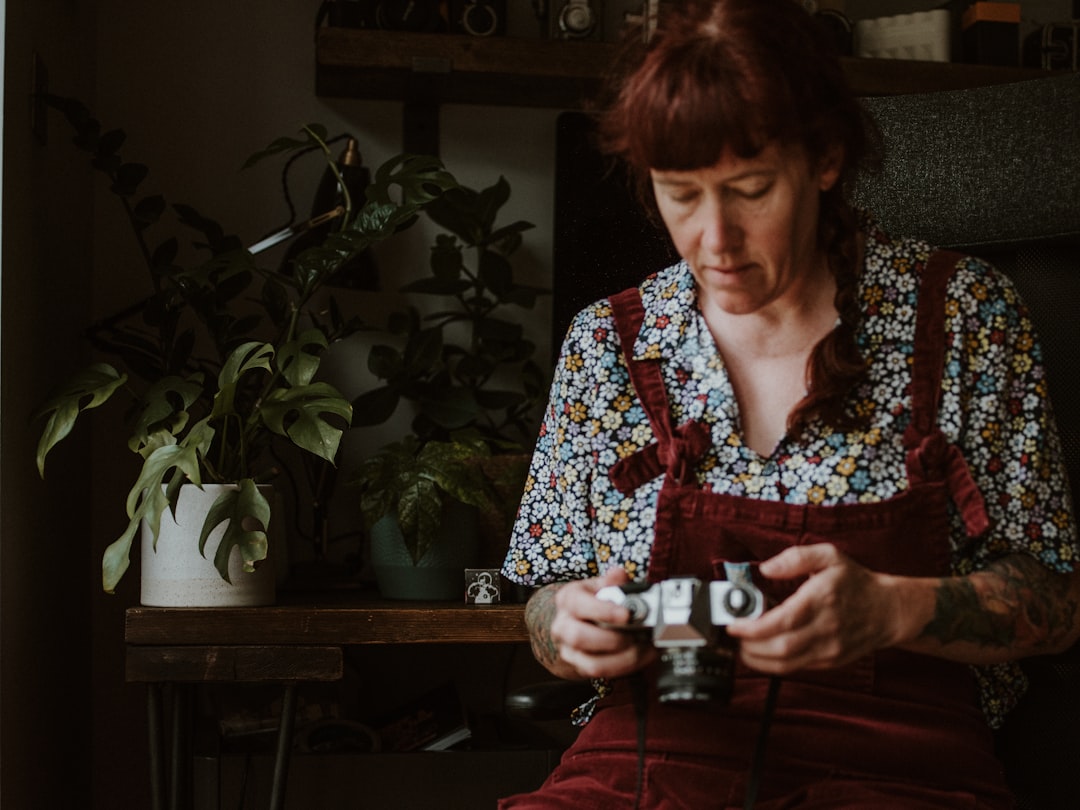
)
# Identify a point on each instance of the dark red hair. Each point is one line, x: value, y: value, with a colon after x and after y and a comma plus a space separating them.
x: 737, y: 75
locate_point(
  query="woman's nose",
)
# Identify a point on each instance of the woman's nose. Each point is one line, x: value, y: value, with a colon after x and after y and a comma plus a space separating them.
x: 721, y: 230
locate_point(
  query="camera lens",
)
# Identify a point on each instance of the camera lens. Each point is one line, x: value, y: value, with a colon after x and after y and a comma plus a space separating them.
x: 638, y: 607
x: 696, y: 674
x: 739, y: 602
x: 480, y: 20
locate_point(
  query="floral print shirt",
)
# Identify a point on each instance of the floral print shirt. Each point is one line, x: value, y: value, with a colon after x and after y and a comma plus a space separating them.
x: 573, y: 522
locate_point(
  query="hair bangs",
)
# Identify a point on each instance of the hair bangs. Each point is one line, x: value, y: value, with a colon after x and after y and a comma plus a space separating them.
x: 694, y: 106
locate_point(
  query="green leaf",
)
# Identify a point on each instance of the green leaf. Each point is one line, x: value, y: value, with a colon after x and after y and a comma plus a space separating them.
x: 128, y: 177
x: 165, y: 254
x: 248, y: 516
x: 146, y: 497
x: 87, y: 389
x: 246, y: 357
x: 165, y: 407
x: 250, y: 356
x: 507, y: 239
x: 496, y: 273
x: 314, y: 137
x: 419, y: 515
x: 146, y: 502
x: 316, y: 264
x: 148, y: 210
x: 450, y: 408
x: 375, y: 406
x: 420, y: 178
x: 110, y: 142
x: 446, y: 258
x: 423, y: 352
x: 299, y: 359
x: 385, y: 362
x: 298, y: 413
x: 491, y: 199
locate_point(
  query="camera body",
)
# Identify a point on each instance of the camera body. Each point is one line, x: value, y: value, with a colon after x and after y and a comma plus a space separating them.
x: 478, y: 18
x: 685, y: 618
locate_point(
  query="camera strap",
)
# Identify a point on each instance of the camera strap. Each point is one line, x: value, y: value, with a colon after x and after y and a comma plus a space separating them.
x: 640, y: 690
x: 754, y: 779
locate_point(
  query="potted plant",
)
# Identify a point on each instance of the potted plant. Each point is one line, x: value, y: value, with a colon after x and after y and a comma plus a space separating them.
x: 468, y: 370
x: 467, y: 365
x: 419, y: 501
x: 224, y: 363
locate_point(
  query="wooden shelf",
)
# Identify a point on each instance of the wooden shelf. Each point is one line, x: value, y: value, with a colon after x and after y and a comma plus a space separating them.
x: 446, y: 68
x: 335, y: 623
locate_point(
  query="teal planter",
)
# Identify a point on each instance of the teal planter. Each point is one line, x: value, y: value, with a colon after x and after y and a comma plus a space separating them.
x: 440, y: 574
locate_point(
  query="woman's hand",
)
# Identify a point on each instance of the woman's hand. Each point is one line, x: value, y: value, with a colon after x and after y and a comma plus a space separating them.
x: 842, y: 612
x: 1014, y: 608
x: 565, y: 622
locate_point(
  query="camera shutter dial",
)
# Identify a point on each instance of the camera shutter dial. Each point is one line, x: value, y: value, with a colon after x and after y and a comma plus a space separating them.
x: 577, y: 19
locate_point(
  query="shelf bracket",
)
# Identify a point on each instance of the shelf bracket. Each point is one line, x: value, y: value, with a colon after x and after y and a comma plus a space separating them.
x: 420, y: 127
x: 420, y: 115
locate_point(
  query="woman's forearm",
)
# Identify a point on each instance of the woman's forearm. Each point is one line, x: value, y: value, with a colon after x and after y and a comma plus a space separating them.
x: 1014, y: 608
x: 539, y: 613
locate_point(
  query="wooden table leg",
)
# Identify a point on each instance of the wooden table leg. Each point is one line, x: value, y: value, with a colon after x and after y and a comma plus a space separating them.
x: 180, y: 753
x: 284, y: 747
x: 154, y: 712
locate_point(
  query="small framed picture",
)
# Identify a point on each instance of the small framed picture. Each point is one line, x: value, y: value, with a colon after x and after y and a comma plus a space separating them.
x: 482, y: 586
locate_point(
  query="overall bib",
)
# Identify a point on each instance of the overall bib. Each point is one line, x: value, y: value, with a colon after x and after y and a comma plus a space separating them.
x: 892, y: 730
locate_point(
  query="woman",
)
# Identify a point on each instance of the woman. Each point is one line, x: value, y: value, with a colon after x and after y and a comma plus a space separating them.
x: 862, y: 419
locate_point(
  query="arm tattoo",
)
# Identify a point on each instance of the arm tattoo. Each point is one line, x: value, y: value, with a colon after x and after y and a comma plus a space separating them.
x: 539, y: 613
x: 1015, y: 601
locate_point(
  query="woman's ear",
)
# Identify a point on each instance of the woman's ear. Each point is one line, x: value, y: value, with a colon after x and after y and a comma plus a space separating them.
x: 829, y: 167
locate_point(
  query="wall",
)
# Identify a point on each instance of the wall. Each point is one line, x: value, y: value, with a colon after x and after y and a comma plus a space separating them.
x: 46, y: 562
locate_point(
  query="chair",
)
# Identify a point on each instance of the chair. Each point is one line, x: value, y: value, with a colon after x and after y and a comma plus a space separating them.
x: 995, y: 172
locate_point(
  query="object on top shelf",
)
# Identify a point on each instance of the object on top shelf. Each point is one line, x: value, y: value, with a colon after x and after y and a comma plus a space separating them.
x: 923, y: 36
x: 391, y: 65
x: 991, y: 34
x: 576, y: 19
x: 1055, y: 46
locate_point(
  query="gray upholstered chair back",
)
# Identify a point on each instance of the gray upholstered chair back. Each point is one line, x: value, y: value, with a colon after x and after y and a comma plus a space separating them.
x: 995, y: 171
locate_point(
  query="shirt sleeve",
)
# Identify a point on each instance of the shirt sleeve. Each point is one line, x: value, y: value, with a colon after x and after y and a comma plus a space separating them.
x: 996, y: 395
x: 551, y: 538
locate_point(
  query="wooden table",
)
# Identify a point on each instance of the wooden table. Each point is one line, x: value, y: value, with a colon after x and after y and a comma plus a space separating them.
x: 301, y: 639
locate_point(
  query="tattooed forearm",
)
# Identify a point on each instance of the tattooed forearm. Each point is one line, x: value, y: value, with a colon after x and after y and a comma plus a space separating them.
x: 539, y: 612
x: 1015, y: 604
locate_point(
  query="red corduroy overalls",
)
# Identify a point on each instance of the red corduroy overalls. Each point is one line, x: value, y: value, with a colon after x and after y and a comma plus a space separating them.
x: 893, y: 730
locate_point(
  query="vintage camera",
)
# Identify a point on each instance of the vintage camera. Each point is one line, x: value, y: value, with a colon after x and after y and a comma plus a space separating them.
x: 575, y: 19
x: 478, y: 18
x: 687, y: 619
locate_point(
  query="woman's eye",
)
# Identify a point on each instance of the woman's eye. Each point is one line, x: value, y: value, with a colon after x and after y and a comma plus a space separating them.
x: 754, y: 192
x: 682, y: 197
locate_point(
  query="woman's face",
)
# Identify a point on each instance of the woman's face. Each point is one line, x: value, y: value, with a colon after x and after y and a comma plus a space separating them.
x: 748, y: 226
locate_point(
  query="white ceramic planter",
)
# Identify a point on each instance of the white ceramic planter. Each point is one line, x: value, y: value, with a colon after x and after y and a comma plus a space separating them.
x: 177, y: 575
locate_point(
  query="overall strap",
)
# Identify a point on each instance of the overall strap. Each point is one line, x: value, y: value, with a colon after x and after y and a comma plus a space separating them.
x: 677, y: 449
x: 930, y: 456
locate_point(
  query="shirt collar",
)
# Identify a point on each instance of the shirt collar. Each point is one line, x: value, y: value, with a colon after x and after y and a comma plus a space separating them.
x: 672, y: 324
